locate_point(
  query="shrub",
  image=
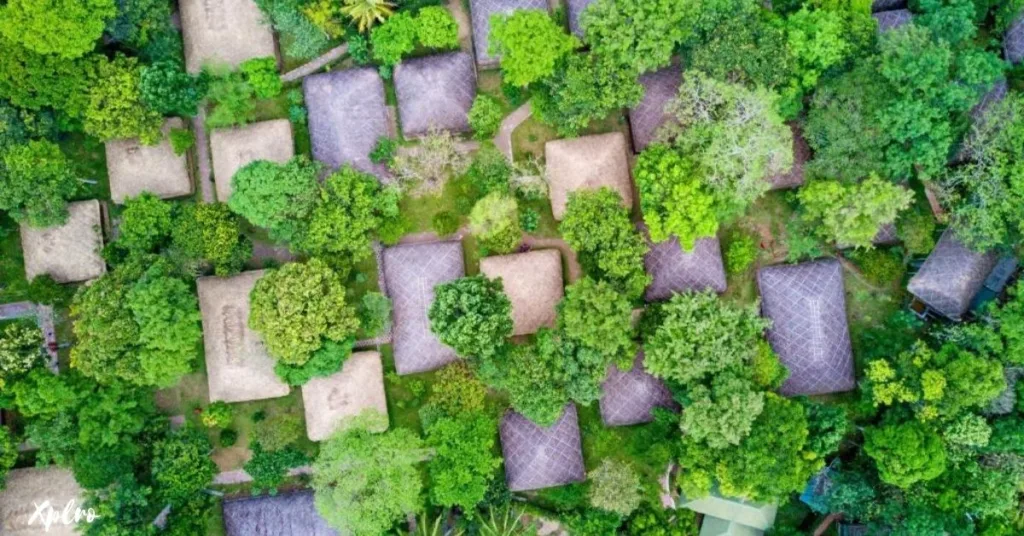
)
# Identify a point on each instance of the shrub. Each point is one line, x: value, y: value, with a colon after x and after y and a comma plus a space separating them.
x: 182, y: 140
x: 428, y: 167
x: 278, y: 431
x: 880, y: 267
x: 494, y: 221
x: 489, y: 172
x: 529, y: 220
x: 615, y: 487
x: 43, y: 289
x: 444, y: 223
x: 297, y: 112
x: 145, y: 223
x: 741, y: 253
x: 485, y: 116
x: 801, y: 242
x: 323, y: 362
x: 262, y: 76
x: 436, y: 28
x: 168, y: 89
x: 384, y: 151
x: 217, y: 415
x: 374, y: 313
x: 228, y: 437
x: 232, y: 100
x: 394, y: 39
x: 472, y: 315
x: 917, y: 230
x: 457, y: 391
x: 268, y: 469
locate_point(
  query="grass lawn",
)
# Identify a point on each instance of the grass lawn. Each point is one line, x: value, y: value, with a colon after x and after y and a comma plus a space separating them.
x: 89, y: 158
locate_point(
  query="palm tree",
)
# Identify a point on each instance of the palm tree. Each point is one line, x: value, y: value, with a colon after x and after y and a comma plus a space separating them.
x: 366, y: 13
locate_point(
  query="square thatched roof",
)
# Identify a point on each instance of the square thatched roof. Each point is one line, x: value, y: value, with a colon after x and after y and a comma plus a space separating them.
x: 347, y: 115
x: 673, y: 270
x: 234, y: 148
x: 627, y: 398
x: 1013, y: 41
x: 807, y: 306
x: 887, y: 5
x: 533, y: 283
x: 575, y: 9
x: 481, y: 12
x: 238, y: 367
x: 68, y: 253
x: 134, y: 168
x: 951, y: 276
x: 891, y: 20
x: 587, y: 163
x: 411, y: 272
x: 752, y: 518
x: 37, y: 485
x: 801, y: 154
x: 288, y: 514
x: 223, y: 32
x: 435, y: 92
x: 537, y: 457
x: 358, y: 386
x: 660, y: 87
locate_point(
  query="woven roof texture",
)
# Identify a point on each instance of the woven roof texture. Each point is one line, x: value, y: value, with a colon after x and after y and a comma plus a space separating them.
x: 223, y: 32
x: 891, y: 20
x: 287, y: 514
x: 673, y: 270
x: 887, y: 5
x: 574, y: 9
x: 648, y: 115
x: 481, y: 12
x: 538, y: 457
x: 68, y: 253
x: 628, y: 397
x: 329, y: 401
x: 134, y: 168
x: 1013, y: 41
x: 533, y: 283
x: 587, y: 163
x: 435, y: 92
x: 951, y: 276
x: 347, y: 115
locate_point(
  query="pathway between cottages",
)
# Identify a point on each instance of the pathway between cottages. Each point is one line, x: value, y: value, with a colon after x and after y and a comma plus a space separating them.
x: 503, y: 140
x: 203, y: 157
x: 315, y: 64
x: 239, y: 476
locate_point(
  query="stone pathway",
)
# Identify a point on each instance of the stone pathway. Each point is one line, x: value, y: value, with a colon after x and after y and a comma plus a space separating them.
x: 202, y: 154
x: 503, y: 140
x: 315, y: 65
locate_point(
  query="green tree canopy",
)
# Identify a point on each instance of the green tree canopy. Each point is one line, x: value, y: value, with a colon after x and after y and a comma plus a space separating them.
x: 37, y: 81
x: 905, y: 453
x: 494, y: 221
x: 463, y: 464
x: 8, y: 454
x: 472, y: 315
x: 145, y: 223
x: 36, y: 181
x: 166, y: 88
x: 672, y: 197
x: 595, y: 315
x: 21, y: 347
x: 210, y: 234
x: 615, y: 487
x: 852, y: 214
x: 277, y: 197
x: 655, y: 27
x: 115, y: 109
x: 721, y: 414
x: 584, y: 88
x: 181, y: 466
x: 65, y: 28
x: 530, y: 44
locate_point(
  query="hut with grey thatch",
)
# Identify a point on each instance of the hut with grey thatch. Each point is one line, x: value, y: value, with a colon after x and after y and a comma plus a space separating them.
x: 1013, y: 41
x: 481, y: 12
x: 331, y: 401
x: 224, y: 33
x: 951, y: 276
x: 33, y: 487
x: 538, y: 457
x: 287, y: 514
x: 979, y: 116
x: 887, y: 5
x: 69, y: 253
x: 533, y: 283
x: 575, y: 8
x: 587, y: 163
x: 435, y: 92
x: 629, y: 397
x: 134, y: 168
x: 234, y: 148
x: 674, y: 270
x: 660, y: 87
x: 891, y: 20
x: 347, y: 115
x: 793, y: 178
x: 806, y: 304
x: 411, y: 272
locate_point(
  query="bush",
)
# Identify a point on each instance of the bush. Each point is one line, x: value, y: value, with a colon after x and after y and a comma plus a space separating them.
x: 472, y: 315
x: 262, y: 76
x: 374, y: 313
x: 741, y: 254
x: 168, y: 89
x: 444, y: 223
x: 268, y: 469
x: 297, y: 112
x: 485, y: 116
x: 232, y: 100
x: 917, y: 231
x: 436, y: 28
x: 489, y: 172
x: 182, y: 140
x: 43, y: 289
x: 457, y: 391
x: 801, y: 242
x: 359, y: 48
x: 228, y: 437
x: 278, y: 431
x: 384, y: 151
x: 217, y: 415
x: 880, y: 267
x: 615, y: 487
x: 494, y: 221
x: 324, y: 362
x: 394, y: 39
x: 145, y: 223
x: 529, y: 220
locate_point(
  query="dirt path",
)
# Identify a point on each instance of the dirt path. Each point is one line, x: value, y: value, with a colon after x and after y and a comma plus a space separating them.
x: 239, y: 476
x: 202, y: 155
x: 503, y: 140
x: 461, y: 16
x: 315, y: 64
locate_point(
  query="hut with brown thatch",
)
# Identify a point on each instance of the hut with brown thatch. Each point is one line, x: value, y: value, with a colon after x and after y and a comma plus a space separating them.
x: 68, y: 253
x: 1013, y: 41
x: 537, y: 457
x: 891, y: 20
x: 134, y: 168
x: 34, y: 487
x: 629, y: 397
x: 347, y: 115
x: 287, y: 514
x: 575, y: 8
x: 238, y: 367
x: 331, y: 401
x: 587, y: 163
x: 674, y: 270
x: 481, y: 12
x: 533, y: 283
x: 223, y: 33
x: 410, y: 273
x: 806, y: 304
x: 435, y: 92
x: 951, y: 276
x: 794, y: 178
x: 234, y: 148
x: 660, y: 87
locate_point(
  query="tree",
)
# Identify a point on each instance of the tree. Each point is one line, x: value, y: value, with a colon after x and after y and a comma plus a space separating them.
x: 166, y: 88
x: 615, y: 487
x: 181, y: 466
x: 656, y: 28
x: 322, y: 363
x: 463, y: 465
x: 209, y: 234
x: 428, y: 167
x: 36, y: 181
x: 277, y: 197
x: 593, y: 314
x: 374, y: 313
x: 115, y: 108
x: 722, y: 414
x: 394, y: 39
x: 472, y: 315
x: 232, y: 97
x: 36, y: 81
x: 852, y: 214
x: 65, y: 28
x: 436, y: 28
x: 457, y: 392
x: 113, y: 416
x: 530, y: 44
x: 261, y: 74
x: 494, y: 221
x: 672, y: 199
x: 582, y: 89
x: 610, y: 248
x: 145, y: 223
x: 269, y: 468
x: 298, y: 307
x: 365, y: 482
x: 819, y: 40
x: 485, y: 116
x: 906, y: 453
x: 8, y: 454
x: 366, y: 13
x: 18, y: 125
x: 20, y: 351
x: 533, y: 382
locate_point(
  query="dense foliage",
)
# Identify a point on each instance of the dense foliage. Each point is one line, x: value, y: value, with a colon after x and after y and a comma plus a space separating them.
x: 472, y: 315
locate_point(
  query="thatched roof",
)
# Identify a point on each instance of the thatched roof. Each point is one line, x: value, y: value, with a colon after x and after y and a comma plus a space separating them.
x: 951, y: 276
x: 358, y: 386
x: 801, y: 154
x: 574, y: 10
x: 134, y: 168
x: 28, y: 487
x: 891, y: 20
x: 68, y: 253
x: 238, y: 367
x: 887, y: 5
x: 223, y: 32
x: 435, y: 92
x: 807, y: 306
x: 721, y: 515
x: 481, y: 12
x: 673, y: 270
x: 587, y: 163
x: 648, y: 115
x: 288, y: 514
x: 628, y: 397
x: 347, y: 115
x: 1005, y: 403
x: 537, y: 457
x: 533, y: 283
x: 411, y: 272
x: 1013, y: 41
x: 234, y: 148
x: 887, y: 236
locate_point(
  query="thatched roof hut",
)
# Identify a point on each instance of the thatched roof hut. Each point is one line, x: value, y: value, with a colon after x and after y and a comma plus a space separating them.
x: 951, y: 276
x: 411, y: 272
x: 288, y: 514
x: 574, y: 9
x: 234, y: 148
x: 358, y: 386
x: 801, y: 154
x: 533, y: 283
x: 68, y: 253
x: 891, y: 20
x: 238, y: 367
x: 887, y: 5
x: 537, y: 457
x: 481, y: 12
x: 347, y: 115
x: 223, y: 32
x: 628, y: 398
x: 660, y: 87
x: 807, y: 306
x: 587, y: 163
x: 673, y: 270
x: 731, y: 516
x: 435, y: 92
x: 1013, y: 41
x: 134, y: 168
x: 27, y: 488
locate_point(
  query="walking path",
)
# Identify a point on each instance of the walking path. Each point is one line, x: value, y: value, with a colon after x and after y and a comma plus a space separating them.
x: 239, y: 476
x: 202, y: 155
x: 503, y: 140
x: 315, y: 65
